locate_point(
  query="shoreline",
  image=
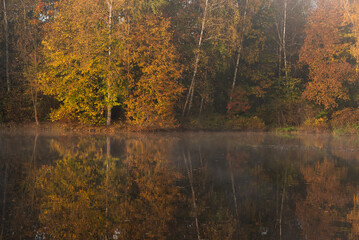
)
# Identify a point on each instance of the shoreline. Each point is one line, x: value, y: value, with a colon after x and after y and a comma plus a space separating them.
x: 62, y: 128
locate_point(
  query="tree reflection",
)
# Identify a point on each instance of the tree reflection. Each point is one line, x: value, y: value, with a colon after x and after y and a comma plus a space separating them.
x: 90, y: 195
x: 160, y: 187
x: 208, y: 214
x: 17, y: 171
x: 353, y: 218
x: 324, y: 206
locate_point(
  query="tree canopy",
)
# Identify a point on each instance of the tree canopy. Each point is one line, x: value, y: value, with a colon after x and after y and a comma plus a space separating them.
x: 285, y: 62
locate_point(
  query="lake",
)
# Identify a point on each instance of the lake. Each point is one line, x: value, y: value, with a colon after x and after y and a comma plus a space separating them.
x: 185, y: 185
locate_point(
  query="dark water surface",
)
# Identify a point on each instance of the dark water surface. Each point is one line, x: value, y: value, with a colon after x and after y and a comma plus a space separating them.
x: 193, y: 185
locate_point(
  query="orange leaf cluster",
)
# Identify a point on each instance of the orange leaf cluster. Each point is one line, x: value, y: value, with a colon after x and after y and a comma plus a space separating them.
x: 326, y: 52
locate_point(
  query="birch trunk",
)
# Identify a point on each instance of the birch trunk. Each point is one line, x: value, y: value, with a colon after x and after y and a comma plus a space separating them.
x: 200, y: 108
x: 189, y: 99
x: 109, y: 78
x: 239, y: 51
x: 6, y: 28
x: 203, y: 94
x: 284, y: 43
x: 34, y: 89
x: 280, y: 60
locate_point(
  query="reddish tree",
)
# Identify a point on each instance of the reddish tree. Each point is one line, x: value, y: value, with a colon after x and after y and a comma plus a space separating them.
x: 239, y: 103
x: 326, y: 51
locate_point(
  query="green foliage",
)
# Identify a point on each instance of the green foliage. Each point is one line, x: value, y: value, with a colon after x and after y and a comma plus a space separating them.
x: 287, y: 129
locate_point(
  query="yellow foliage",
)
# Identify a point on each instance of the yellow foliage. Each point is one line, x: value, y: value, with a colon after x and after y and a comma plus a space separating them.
x: 315, y: 123
x: 153, y: 96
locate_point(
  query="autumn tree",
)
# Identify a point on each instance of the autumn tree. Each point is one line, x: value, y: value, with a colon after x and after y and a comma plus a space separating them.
x: 245, y: 27
x: 326, y: 52
x: 29, y: 26
x: 351, y: 9
x: 253, y: 63
x: 154, y: 88
x: 15, y: 15
x: 77, y: 59
x: 6, y: 33
x: 208, y: 49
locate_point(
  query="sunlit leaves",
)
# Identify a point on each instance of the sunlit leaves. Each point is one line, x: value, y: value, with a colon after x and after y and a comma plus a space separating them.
x: 326, y: 52
x: 154, y: 88
x: 77, y: 62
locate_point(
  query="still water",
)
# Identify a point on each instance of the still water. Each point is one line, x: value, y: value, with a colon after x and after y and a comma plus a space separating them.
x: 192, y: 185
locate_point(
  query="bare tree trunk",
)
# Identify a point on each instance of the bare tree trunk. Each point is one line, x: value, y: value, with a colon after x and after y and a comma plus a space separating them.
x: 35, y: 105
x: 188, y: 164
x: 279, y: 28
x: 239, y: 51
x: 190, y: 93
x: 280, y: 60
x: 34, y: 89
x: 34, y: 83
x: 109, y: 78
x: 200, y: 108
x: 203, y: 94
x: 284, y: 43
x: 6, y: 28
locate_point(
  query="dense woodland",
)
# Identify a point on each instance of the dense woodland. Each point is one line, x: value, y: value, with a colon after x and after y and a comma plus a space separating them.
x: 160, y: 63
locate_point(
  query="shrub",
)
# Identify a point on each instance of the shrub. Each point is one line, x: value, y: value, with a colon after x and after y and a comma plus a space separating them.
x: 214, y: 122
x: 245, y: 123
x: 346, y: 120
x: 287, y: 129
x: 18, y: 107
x: 221, y: 122
x: 315, y: 124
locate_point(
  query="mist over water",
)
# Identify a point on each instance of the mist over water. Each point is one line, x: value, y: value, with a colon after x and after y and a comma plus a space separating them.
x: 191, y: 185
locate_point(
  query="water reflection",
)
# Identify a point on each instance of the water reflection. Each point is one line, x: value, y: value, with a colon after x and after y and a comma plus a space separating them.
x: 179, y: 186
